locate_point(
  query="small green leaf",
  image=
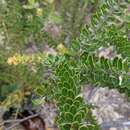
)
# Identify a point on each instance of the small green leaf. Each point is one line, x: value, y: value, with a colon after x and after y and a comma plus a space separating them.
x: 66, y: 74
x: 120, y: 64
x: 79, y: 98
x: 65, y: 126
x: 115, y: 62
x: 71, y: 94
x: 62, y: 100
x: 76, y: 103
x: 75, y: 125
x: 67, y: 85
x: 68, y: 116
x: 126, y: 65
x: 40, y: 90
x: 77, y: 117
x: 90, y: 60
x: 64, y: 91
x: 38, y: 101
x: 66, y: 107
x: 83, y: 127
x: 69, y: 101
x: 73, y: 109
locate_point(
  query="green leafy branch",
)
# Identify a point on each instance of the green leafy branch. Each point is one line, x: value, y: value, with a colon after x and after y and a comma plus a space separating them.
x: 74, y: 113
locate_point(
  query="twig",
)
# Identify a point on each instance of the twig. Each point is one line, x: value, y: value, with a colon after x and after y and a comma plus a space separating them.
x: 9, y: 121
x: 18, y: 121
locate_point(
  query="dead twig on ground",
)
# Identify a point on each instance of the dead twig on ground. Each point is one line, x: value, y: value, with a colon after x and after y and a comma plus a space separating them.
x: 18, y: 121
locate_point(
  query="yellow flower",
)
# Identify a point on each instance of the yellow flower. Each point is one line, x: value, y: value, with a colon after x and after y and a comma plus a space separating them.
x: 15, y: 60
x: 24, y: 59
x: 39, y: 58
x: 39, y: 11
x: 12, y: 60
x: 62, y: 49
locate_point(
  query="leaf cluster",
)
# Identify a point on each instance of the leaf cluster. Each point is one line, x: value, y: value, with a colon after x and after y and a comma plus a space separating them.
x: 73, y: 110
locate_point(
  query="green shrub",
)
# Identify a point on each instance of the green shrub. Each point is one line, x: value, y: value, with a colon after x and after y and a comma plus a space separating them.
x: 22, y: 21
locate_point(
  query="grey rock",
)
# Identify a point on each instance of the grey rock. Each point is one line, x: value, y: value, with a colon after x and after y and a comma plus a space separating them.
x: 111, y: 106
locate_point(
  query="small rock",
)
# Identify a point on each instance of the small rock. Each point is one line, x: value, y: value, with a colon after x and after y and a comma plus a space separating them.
x: 110, y: 105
